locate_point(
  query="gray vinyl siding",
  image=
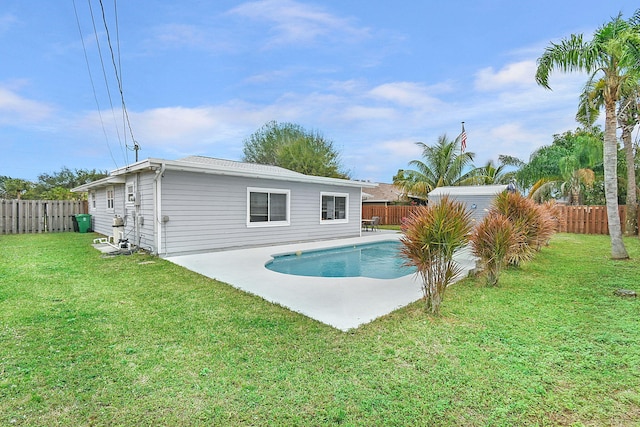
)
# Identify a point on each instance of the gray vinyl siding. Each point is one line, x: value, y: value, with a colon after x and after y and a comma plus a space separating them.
x: 482, y: 203
x: 101, y: 217
x: 209, y: 212
x: 139, y: 215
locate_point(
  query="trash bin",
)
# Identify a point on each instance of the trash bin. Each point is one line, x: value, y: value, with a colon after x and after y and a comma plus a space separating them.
x: 74, y: 222
x: 84, y: 222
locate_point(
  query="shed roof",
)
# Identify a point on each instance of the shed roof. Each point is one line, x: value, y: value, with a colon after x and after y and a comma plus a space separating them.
x: 214, y: 166
x: 468, y: 190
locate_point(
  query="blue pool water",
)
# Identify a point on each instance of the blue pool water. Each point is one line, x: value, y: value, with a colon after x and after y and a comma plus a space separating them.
x: 380, y: 260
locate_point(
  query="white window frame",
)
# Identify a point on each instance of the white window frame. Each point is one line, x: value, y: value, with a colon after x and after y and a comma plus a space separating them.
x: 92, y: 200
x: 269, y: 191
x: 111, y: 201
x: 344, y: 220
x: 131, y: 195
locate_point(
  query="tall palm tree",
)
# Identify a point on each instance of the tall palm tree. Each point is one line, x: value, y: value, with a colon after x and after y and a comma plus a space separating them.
x: 442, y: 165
x: 591, y: 100
x: 609, y: 55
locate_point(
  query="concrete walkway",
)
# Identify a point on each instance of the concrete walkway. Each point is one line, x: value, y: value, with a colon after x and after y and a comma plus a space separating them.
x: 343, y: 303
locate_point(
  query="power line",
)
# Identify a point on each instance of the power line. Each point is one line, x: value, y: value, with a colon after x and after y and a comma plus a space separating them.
x: 93, y: 87
x: 118, y: 79
x: 106, y: 81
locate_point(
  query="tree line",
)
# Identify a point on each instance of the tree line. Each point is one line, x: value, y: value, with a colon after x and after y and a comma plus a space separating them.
x: 49, y: 186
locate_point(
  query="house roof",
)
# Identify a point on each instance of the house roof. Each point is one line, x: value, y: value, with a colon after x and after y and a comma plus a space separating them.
x: 476, y: 190
x: 210, y: 165
x: 382, y: 193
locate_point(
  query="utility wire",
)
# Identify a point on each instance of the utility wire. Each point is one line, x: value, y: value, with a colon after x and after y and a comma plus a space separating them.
x: 115, y: 67
x: 93, y: 87
x: 106, y: 81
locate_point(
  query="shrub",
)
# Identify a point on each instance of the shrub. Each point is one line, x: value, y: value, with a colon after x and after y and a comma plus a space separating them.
x: 495, y: 241
x: 525, y: 217
x: 547, y: 223
x: 431, y: 236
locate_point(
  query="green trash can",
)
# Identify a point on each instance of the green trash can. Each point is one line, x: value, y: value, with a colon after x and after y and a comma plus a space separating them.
x: 84, y: 222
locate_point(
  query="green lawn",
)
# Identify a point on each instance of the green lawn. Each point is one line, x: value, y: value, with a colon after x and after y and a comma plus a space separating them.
x: 134, y: 340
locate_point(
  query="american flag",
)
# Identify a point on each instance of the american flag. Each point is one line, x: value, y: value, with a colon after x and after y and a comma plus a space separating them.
x: 463, y: 139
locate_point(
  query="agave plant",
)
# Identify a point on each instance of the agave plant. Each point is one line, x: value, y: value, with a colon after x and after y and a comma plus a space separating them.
x: 431, y: 236
x: 495, y: 240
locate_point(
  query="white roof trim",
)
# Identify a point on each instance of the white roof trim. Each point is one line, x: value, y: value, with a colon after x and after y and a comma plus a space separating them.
x: 229, y: 168
x: 104, y: 182
x: 475, y: 190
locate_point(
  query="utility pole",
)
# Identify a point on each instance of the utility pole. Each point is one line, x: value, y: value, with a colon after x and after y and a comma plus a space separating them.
x: 136, y: 148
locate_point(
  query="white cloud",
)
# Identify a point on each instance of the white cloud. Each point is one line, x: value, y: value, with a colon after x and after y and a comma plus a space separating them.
x: 405, y: 94
x: 297, y: 23
x: 515, y: 74
x: 16, y: 109
x: 190, y: 36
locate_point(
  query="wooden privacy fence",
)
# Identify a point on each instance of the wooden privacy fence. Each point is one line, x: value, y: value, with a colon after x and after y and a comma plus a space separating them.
x: 389, y: 215
x: 571, y: 219
x: 587, y: 219
x: 38, y: 216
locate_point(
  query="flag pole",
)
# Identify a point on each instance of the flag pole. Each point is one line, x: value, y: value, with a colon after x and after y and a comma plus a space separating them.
x: 463, y: 145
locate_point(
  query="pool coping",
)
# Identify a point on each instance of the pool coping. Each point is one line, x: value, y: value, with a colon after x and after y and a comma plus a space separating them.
x: 343, y: 303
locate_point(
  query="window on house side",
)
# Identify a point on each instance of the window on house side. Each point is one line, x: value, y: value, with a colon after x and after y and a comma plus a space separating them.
x: 334, y: 207
x: 110, y: 198
x: 268, y: 207
x: 131, y: 196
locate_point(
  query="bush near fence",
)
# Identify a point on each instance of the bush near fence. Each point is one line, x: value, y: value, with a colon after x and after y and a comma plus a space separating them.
x: 572, y: 219
x: 39, y: 216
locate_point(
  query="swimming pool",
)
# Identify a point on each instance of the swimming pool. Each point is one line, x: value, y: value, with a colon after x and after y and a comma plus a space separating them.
x: 379, y: 260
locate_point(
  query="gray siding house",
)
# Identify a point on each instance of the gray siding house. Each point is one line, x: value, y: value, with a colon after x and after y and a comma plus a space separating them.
x: 201, y: 204
x: 477, y: 198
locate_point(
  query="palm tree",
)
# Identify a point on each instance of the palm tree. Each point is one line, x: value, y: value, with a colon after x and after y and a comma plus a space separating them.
x: 591, y: 100
x: 490, y: 174
x: 609, y: 56
x: 442, y: 165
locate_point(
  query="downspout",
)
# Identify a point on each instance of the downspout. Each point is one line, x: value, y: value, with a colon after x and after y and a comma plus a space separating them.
x: 137, y: 238
x: 157, y: 202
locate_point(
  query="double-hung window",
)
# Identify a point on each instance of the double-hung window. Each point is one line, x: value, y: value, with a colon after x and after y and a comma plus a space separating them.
x: 267, y: 207
x: 110, y: 199
x: 334, y: 207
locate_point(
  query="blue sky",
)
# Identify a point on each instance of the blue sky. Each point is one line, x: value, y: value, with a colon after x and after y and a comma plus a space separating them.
x: 198, y: 77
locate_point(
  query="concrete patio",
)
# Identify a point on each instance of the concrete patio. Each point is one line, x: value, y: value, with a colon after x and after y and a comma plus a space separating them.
x: 344, y: 303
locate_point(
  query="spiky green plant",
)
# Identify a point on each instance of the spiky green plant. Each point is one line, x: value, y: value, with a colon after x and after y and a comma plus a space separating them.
x: 495, y: 240
x: 525, y: 217
x: 431, y: 236
x: 547, y: 223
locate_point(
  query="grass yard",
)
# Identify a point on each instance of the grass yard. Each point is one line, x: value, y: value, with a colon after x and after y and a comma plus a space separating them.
x: 134, y: 340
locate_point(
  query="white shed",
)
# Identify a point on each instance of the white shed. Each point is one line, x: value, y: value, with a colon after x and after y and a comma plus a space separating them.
x: 477, y: 198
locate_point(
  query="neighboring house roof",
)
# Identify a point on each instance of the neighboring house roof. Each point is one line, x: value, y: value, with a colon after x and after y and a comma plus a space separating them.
x: 215, y: 166
x: 382, y: 193
x: 476, y: 190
